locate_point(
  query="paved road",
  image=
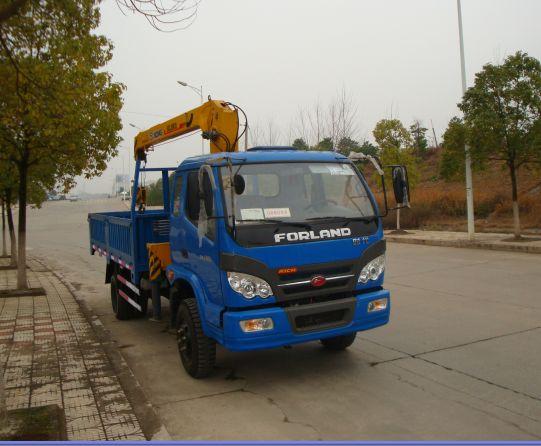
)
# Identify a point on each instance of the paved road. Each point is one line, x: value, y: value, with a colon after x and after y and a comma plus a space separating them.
x: 461, y: 358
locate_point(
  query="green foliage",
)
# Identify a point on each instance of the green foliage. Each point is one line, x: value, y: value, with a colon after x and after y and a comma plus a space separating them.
x: 418, y: 133
x: 502, y: 112
x: 59, y: 112
x: 368, y: 148
x: 502, y: 121
x: 325, y: 145
x: 396, y: 147
x: 391, y: 134
x: 300, y: 144
x: 452, y: 164
x: 155, y: 191
x: 347, y: 145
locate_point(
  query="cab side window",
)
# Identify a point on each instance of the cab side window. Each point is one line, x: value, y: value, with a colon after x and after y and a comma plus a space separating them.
x: 193, y: 204
x: 192, y: 197
x: 177, y: 194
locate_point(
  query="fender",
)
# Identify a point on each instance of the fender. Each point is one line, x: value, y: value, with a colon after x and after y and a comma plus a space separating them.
x: 210, y: 313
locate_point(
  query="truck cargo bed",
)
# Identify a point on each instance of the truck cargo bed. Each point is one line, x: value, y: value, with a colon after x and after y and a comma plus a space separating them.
x: 122, y: 236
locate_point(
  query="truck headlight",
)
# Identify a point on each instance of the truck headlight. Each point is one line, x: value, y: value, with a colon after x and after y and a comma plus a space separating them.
x: 249, y: 286
x: 373, y: 269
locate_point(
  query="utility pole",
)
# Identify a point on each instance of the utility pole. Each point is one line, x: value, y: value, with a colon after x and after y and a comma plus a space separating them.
x: 435, y: 137
x: 469, y: 182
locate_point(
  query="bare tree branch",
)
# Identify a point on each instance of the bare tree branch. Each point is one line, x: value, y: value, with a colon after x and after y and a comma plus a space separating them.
x: 273, y: 133
x: 163, y: 15
x: 256, y: 134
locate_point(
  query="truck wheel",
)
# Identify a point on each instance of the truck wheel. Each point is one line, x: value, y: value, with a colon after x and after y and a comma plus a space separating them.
x: 142, y: 300
x: 197, y: 351
x: 121, y: 308
x: 339, y: 342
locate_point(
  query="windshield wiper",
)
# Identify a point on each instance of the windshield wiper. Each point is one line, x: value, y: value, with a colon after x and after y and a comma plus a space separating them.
x: 347, y: 219
x: 282, y: 222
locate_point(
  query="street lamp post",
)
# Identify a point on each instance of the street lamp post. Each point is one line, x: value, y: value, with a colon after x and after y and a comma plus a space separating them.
x: 469, y: 182
x: 199, y: 91
x: 130, y: 191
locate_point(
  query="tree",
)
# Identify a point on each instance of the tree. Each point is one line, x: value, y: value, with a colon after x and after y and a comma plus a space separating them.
x: 256, y: 134
x: 502, y: 116
x: 4, y: 240
x: 341, y: 118
x: 8, y: 196
x: 300, y: 144
x: 155, y: 191
x: 452, y: 163
x: 272, y: 134
x: 396, y: 147
x: 418, y: 133
x: 390, y: 134
x: 347, y: 145
x: 8, y: 200
x: 162, y: 15
x: 336, y: 121
x: 10, y: 8
x: 58, y: 111
x: 325, y: 145
x: 368, y: 148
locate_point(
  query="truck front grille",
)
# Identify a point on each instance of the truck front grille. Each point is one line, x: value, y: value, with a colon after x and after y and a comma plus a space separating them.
x: 339, y: 278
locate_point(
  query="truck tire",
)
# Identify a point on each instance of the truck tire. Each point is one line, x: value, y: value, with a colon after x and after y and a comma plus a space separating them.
x: 197, y: 351
x: 339, y: 342
x: 122, y: 309
x: 142, y: 300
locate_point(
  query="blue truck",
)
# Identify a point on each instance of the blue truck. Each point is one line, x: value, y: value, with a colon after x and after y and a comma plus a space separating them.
x: 257, y: 249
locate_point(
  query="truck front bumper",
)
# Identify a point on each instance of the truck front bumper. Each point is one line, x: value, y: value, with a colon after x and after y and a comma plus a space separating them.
x: 303, y: 323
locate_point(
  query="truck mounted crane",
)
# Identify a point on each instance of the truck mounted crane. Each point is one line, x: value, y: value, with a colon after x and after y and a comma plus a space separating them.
x: 258, y: 249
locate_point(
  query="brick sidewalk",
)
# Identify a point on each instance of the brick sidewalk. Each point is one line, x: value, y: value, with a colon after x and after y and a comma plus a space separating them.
x: 51, y: 355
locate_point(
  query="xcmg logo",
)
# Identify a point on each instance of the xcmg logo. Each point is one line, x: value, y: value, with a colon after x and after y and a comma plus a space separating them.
x: 312, y: 235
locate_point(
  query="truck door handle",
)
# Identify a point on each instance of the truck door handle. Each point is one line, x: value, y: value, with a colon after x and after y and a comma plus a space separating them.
x: 184, y: 253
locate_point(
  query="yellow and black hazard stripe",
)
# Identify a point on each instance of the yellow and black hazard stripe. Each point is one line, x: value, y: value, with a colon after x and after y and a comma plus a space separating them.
x: 155, y: 266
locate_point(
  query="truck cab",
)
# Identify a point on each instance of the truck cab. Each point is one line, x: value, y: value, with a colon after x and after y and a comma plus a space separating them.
x: 277, y: 247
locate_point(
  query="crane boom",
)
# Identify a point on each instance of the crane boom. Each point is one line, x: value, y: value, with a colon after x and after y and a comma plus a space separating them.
x: 217, y: 120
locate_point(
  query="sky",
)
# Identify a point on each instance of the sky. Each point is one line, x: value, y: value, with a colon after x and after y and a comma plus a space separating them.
x: 395, y: 58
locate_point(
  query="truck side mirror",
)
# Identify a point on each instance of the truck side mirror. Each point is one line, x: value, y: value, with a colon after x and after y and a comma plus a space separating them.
x: 239, y: 184
x: 401, y: 185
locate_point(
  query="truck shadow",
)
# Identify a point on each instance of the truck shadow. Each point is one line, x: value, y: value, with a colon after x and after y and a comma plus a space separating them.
x: 304, y: 361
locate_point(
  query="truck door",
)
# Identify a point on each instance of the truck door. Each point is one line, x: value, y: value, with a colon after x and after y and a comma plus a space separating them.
x: 199, y: 256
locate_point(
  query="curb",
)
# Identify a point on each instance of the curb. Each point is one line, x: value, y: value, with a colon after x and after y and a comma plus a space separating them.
x: 465, y: 244
x: 148, y: 419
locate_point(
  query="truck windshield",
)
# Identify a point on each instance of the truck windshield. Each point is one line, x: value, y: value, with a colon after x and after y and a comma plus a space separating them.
x: 296, y: 192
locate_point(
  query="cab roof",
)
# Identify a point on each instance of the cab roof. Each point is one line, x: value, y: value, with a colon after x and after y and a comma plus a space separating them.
x: 263, y: 154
